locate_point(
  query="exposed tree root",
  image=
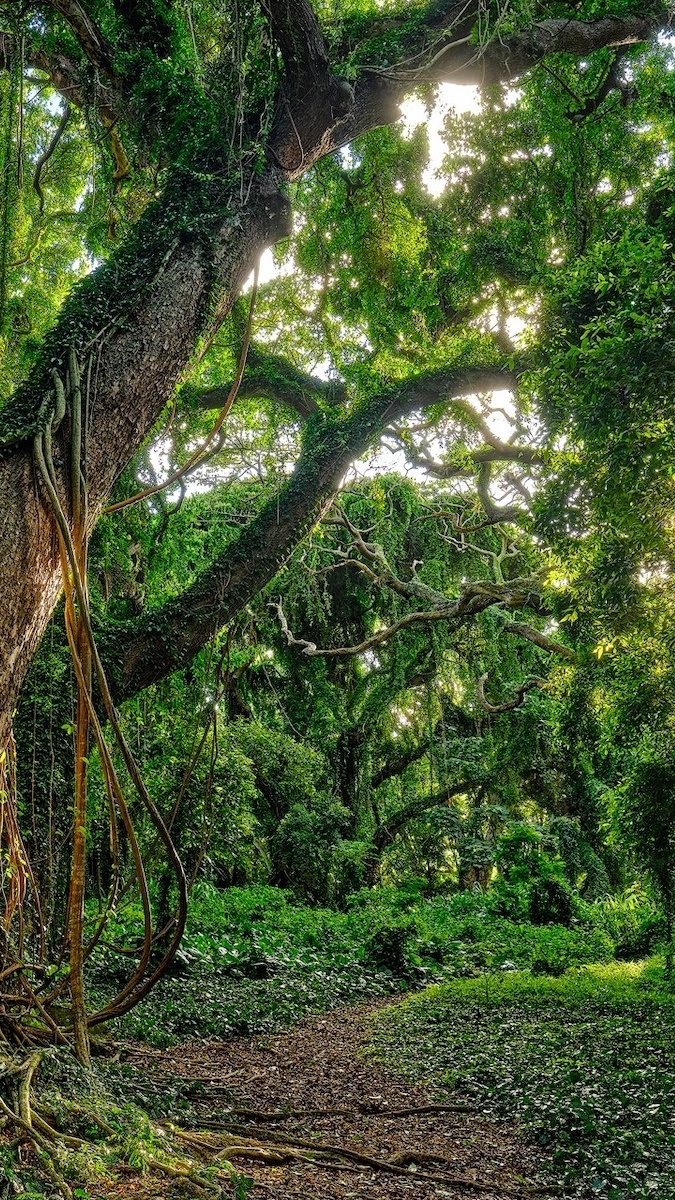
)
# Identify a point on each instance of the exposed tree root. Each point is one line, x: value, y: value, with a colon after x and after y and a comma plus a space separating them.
x: 287, y: 1114
x: 36, y: 1125
x: 237, y: 1146
x: 201, y: 1156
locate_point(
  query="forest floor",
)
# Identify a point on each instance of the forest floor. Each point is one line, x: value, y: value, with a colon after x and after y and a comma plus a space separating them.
x: 323, y: 1064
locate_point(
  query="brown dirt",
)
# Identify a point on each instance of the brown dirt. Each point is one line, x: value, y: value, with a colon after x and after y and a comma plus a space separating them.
x: 322, y: 1065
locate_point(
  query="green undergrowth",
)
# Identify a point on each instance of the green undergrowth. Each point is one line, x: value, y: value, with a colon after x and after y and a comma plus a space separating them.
x: 255, y: 959
x: 586, y: 1061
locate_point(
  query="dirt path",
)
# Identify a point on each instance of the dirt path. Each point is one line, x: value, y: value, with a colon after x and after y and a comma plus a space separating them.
x: 321, y: 1065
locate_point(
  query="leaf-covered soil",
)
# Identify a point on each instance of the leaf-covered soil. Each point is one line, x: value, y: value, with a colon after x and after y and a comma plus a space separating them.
x: 323, y: 1065
x: 586, y: 1062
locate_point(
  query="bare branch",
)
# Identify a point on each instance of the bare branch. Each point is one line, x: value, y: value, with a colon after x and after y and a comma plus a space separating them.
x: 519, y: 629
x: 474, y: 461
x: 508, y: 548
x: 518, y: 699
x: 473, y: 599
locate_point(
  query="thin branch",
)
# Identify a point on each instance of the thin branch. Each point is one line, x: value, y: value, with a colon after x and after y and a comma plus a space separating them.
x: 521, y: 693
x: 519, y: 629
x: 47, y: 154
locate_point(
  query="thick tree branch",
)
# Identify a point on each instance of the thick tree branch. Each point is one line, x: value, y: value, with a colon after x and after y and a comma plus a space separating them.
x: 148, y: 650
x: 494, y: 512
x: 459, y: 724
x: 451, y: 55
x: 518, y: 629
x: 275, y: 378
x: 300, y: 39
x: 313, y: 99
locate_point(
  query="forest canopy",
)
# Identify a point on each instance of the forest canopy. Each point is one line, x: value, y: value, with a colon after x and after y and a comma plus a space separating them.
x: 336, y: 477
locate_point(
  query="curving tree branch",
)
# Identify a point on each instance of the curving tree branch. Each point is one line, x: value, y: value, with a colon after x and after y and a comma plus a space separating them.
x: 147, y: 650
x: 387, y: 831
x: 473, y: 598
x: 275, y: 378
x: 520, y: 695
x: 519, y: 629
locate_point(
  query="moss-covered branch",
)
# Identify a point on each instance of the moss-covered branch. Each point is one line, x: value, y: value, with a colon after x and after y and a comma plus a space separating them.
x: 141, y: 653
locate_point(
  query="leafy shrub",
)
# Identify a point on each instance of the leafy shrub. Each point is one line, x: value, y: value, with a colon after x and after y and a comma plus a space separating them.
x: 304, y: 844
x: 388, y: 946
x: 551, y: 901
x: 633, y: 920
x: 349, y: 863
x: 643, y: 938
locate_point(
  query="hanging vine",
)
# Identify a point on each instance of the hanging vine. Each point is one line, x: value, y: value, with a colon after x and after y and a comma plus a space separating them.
x: 10, y: 161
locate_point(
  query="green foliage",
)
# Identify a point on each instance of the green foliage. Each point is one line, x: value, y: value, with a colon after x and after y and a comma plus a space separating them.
x: 388, y: 944
x: 254, y: 959
x: 586, y: 1062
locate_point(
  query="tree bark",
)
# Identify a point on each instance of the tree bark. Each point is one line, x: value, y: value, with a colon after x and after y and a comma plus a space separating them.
x: 134, y: 372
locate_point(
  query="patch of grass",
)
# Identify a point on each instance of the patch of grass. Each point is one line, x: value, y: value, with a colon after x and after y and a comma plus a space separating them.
x: 586, y: 1061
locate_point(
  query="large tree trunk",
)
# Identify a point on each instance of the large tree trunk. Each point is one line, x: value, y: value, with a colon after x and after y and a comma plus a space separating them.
x: 134, y: 373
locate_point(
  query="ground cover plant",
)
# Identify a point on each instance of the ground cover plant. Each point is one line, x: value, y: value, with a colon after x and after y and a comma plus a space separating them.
x: 257, y: 959
x: 586, y: 1061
